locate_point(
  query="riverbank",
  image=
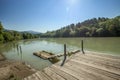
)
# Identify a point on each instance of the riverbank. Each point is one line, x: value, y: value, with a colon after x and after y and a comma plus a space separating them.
x: 13, y: 70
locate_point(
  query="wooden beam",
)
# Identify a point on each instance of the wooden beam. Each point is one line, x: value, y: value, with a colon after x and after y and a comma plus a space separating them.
x: 64, y: 55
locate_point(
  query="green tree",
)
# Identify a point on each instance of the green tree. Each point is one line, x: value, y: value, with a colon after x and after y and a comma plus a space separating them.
x: 8, y: 36
x: 1, y: 28
x: 72, y: 34
x: 92, y: 27
x: 1, y: 38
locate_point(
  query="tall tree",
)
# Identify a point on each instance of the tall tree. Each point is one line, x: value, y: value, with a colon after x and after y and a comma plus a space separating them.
x: 1, y: 28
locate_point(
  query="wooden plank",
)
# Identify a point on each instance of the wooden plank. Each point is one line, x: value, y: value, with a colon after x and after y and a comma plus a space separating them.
x: 82, y: 72
x: 105, y: 75
x: 73, y: 73
x: 35, y: 77
x: 53, y: 75
x: 62, y: 73
x: 47, y: 55
x: 101, y: 65
x: 101, y: 60
x: 28, y: 78
x: 117, y: 61
x: 25, y: 78
x: 104, y: 55
x: 32, y: 77
x: 42, y: 76
x: 39, y: 76
x: 43, y: 54
x: 97, y: 65
x: 82, y: 67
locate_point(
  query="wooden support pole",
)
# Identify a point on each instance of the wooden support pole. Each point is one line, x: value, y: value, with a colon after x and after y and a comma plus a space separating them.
x: 64, y: 55
x: 82, y: 48
x: 14, y: 46
x: 20, y: 49
x: 17, y: 48
x: 65, y: 51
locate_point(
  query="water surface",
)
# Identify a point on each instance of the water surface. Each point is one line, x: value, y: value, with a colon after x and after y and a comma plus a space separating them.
x: 55, y: 45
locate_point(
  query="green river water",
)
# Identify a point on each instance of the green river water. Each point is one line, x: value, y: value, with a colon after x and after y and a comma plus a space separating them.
x: 109, y: 45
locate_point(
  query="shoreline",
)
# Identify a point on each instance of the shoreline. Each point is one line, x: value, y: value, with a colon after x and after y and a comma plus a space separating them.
x: 14, y: 70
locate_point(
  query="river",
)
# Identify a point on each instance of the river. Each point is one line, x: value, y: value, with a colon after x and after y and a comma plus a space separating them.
x: 110, y: 45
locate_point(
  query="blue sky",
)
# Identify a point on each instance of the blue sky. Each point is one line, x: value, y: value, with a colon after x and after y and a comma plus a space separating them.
x: 47, y: 15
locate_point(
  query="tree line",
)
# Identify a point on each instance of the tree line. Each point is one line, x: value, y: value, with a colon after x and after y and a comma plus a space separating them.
x: 11, y: 35
x: 95, y: 27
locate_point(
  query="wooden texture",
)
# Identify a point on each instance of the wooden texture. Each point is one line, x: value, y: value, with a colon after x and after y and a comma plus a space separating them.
x: 89, y: 66
x: 47, y: 55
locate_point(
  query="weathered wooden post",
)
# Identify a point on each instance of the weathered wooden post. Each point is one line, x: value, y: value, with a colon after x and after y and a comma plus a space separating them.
x: 20, y: 49
x: 64, y: 55
x: 82, y: 48
x: 17, y: 48
x: 14, y: 46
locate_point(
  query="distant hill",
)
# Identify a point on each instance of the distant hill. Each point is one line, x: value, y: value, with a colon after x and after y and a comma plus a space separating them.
x: 95, y: 27
x: 7, y: 35
x: 7, y: 30
x: 31, y: 32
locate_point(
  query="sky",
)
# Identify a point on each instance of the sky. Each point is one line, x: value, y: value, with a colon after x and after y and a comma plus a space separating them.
x: 48, y: 15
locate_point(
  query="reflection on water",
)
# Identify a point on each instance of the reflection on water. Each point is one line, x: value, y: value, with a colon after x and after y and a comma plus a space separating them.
x: 23, y: 50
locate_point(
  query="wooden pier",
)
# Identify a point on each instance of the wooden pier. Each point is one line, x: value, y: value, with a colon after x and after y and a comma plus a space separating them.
x: 47, y: 55
x: 43, y: 54
x: 88, y: 66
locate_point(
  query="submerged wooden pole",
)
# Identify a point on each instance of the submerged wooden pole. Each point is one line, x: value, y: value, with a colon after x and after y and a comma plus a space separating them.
x: 14, y: 47
x: 82, y: 48
x: 17, y: 48
x: 20, y: 49
x: 64, y: 55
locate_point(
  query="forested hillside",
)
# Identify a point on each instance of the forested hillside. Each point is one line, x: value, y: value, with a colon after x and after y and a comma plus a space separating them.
x: 11, y: 35
x: 96, y: 27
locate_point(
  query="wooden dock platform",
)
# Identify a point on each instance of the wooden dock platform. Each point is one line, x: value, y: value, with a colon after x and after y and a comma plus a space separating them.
x: 89, y: 66
x: 43, y: 54
x: 48, y: 55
